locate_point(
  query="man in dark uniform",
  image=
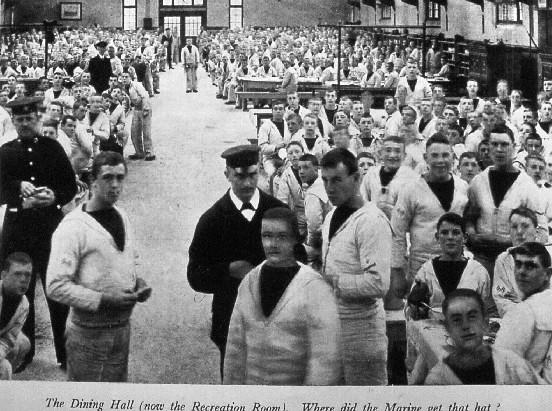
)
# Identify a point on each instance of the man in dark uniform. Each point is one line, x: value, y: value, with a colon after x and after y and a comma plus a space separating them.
x: 227, y: 240
x: 100, y: 68
x: 36, y: 180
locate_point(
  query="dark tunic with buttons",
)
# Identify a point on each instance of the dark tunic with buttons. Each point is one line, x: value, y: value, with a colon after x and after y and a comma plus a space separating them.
x: 100, y: 71
x: 42, y: 162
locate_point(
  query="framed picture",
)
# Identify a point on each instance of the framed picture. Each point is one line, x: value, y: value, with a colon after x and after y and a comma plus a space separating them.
x: 71, y: 11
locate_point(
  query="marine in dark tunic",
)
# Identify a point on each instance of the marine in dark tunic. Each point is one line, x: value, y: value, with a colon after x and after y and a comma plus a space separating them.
x: 227, y: 240
x: 36, y: 180
x: 100, y: 69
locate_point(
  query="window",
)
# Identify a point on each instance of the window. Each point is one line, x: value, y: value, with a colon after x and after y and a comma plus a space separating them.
x: 386, y: 12
x: 192, y: 26
x: 129, y: 14
x: 508, y: 13
x: 236, y: 13
x: 172, y: 22
x: 433, y: 10
x: 354, y: 14
x: 181, y: 3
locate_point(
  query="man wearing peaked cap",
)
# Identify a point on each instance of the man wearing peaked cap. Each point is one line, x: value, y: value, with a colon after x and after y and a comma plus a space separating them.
x: 227, y: 240
x: 241, y: 156
x: 100, y: 68
x: 36, y: 181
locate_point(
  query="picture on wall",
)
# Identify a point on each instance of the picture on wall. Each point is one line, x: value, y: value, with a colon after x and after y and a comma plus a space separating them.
x: 71, y: 11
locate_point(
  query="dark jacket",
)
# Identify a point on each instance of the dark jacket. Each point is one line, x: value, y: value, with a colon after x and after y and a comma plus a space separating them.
x: 42, y: 162
x: 222, y: 236
x: 100, y: 71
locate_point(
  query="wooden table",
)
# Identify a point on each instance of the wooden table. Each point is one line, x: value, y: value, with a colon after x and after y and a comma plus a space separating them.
x: 250, y: 83
x: 257, y: 116
x: 268, y: 88
x: 353, y: 89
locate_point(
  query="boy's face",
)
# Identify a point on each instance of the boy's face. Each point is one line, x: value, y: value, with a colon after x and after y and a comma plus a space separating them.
x: 309, y: 124
x: 468, y: 168
x: 358, y: 110
x: 522, y: 229
x: 307, y: 171
x: 79, y: 161
x: 466, y: 324
x: 451, y: 238
x: 531, y: 276
x: 366, y: 124
x: 15, y: 280
x: 533, y: 146
x: 392, y: 155
x: 453, y: 137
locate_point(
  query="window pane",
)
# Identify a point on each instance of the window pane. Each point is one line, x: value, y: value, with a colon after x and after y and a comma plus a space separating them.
x: 167, y: 2
x: 173, y: 22
x: 131, y: 3
x: 235, y: 17
x: 198, y: 2
x: 433, y: 10
x: 182, y: 2
x: 508, y: 12
x: 192, y: 24
x: 235, y: 2
x: 129, y: 18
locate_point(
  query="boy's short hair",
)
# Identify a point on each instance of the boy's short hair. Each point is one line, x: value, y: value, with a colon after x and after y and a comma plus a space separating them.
x: 309, y: 157
x: 452, y: 218
x: 106, y: 158
x: 284, y: 214
x: 437, y: 138
x: 527, y: 213
x: 340, y: 155
x: 16, y: 257
x: 462, y: 293
x: 467, y: 154
x: 533, y: 249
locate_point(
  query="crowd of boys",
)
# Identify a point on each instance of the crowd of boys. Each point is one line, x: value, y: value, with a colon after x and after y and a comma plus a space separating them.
x: 62, y: 156
x: 444, y: 205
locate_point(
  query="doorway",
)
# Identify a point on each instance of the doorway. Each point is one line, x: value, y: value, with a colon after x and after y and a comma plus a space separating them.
x: 184, y: 24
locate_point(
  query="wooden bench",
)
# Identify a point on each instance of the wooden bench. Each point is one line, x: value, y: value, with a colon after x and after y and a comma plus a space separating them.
x: 257, y: 115
x: 267, y: 95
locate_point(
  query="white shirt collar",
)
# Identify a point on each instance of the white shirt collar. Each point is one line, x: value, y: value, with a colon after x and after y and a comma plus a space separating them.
x: 238, y: 203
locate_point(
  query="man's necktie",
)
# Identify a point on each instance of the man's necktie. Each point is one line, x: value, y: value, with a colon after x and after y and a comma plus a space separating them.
x: 247, y: 206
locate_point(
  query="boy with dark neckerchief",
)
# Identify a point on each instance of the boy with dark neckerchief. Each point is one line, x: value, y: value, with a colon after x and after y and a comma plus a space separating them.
x: 92, y: 269
x: 450, y: 269
x: 417, y: 211
x: 356, y: 250
x: 285, y: 327
x: 471, y: 361
x: 493, y: 194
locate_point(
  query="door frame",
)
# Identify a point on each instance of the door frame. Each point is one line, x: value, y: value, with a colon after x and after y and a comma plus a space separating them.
x: 182, y: 14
